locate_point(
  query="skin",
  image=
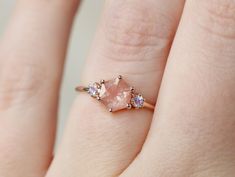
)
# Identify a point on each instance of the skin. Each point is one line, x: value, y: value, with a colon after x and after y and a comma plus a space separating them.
x: 187, y: 49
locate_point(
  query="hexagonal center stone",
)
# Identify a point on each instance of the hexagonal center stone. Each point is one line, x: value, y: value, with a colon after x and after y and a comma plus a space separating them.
x: 115, y: 94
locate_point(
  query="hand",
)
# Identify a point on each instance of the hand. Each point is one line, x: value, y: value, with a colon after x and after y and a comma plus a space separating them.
x: 191, y: 133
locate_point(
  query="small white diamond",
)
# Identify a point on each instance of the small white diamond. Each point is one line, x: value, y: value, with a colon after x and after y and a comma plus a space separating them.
x: 137, y: 101
x: 93, y: 90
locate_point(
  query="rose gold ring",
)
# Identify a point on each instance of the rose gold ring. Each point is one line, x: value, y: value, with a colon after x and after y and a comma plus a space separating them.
x: 116, y: 95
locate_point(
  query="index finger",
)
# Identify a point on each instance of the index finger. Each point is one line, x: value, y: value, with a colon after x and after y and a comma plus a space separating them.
x: 32, y: 54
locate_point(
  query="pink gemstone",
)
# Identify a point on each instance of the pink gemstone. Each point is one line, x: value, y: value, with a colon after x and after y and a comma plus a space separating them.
x: 115, y: 94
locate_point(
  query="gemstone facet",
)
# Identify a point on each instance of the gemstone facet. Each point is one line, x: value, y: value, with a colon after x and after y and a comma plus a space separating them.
x: 115, y: 94
x: 137, y: 101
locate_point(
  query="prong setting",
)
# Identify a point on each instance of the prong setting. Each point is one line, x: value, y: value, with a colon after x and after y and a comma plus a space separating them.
x: 132, y: 90
x: 129, y: 106
x: 102, y: 81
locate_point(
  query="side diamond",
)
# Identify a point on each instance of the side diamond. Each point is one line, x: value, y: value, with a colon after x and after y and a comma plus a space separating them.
x: 94, y: 89
x: 137, y: 101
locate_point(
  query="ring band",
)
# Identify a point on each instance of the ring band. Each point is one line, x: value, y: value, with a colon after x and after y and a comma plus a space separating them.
x: 116, y: 95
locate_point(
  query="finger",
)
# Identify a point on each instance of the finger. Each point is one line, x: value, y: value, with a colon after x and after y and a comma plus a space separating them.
x: 133, y: 40
x: 193, y: 129
x: 31, y: 60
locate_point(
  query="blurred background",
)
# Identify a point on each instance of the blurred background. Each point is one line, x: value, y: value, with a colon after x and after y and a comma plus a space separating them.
x: 83, y: 31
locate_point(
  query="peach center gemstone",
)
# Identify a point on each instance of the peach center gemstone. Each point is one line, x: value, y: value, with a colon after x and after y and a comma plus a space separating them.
x: 115, y: 94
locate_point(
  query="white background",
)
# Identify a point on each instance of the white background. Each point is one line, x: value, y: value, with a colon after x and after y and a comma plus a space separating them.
x: 81, y: 38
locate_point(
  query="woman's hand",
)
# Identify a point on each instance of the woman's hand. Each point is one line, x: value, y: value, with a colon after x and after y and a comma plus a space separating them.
x: 189, y: 55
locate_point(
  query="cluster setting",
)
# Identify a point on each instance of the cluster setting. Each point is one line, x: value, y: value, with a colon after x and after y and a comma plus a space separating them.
x: 116, y: 94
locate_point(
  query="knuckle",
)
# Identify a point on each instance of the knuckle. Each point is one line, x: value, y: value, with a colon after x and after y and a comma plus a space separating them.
x: 215, y: 23
x: 133, y: 31
x: 19, y: 81
x: 217, y: 17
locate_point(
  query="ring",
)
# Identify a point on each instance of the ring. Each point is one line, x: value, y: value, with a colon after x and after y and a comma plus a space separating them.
x: 116, y: 95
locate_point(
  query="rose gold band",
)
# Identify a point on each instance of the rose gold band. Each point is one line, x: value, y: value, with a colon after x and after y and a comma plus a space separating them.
x: 82, y: 89
x: 148, y: 106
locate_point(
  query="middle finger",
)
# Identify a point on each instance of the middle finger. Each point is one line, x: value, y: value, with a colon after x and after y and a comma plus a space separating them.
x: 133, y: 40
